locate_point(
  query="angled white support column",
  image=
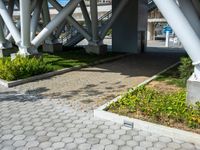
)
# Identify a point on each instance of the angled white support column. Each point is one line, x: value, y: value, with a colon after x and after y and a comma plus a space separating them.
x: 72, y: 21
x: 9, y: 23
x: 57, y: 20
x: 183, y: 29
x: 85, y: 15
x: 189, y: 11
x: 5, y: 45
x: 35, y: 18
x: 190, y: 41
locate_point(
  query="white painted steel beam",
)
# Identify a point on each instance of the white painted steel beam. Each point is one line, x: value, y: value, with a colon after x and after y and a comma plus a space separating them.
x: 183, y: 30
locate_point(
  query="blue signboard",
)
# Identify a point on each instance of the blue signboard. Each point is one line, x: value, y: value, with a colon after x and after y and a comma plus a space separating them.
x: 167, y: 29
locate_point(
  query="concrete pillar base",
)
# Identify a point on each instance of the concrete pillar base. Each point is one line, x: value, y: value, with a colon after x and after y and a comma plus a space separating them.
x: 96, y: 49
x: 193, y: 90
x: 27, y: 51
x: 6, y: 49
x: 52, y: 47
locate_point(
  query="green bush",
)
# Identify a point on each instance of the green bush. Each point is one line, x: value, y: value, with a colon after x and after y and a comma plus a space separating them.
x: 158, y: 107
x: 186, y: 68
x: 22, y: 67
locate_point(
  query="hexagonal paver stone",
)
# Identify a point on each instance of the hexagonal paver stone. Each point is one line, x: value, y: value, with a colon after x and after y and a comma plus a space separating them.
x: 146, y: 144
x: 111, y: 147
x: 7, y: 137
x: 32, y: 144
x: 188, y: 146
x: 139, y: 148
x: 58, y: 145
x: 19, y: 137
x: 68, y: 140
x: 108, y: 131
x: 55, y: 139
x: 84, y: 146
x: 105, y: 142
x: 113, y: 136
x: 97, y: 147
x: 139, y: 138
x: 80, y: 140
x: 70, y: 146
x: 165, y: 139
x: 93, y: 141
x: 125, y: 148
x: 126, y: 137
x: 160, y: 145
x: 120, y: 132
x: 119, y: 142
x: 132, y: 143
x: 101, y: 136
x: 8, y: 148
x: 174, y: 145
x: 152, y: 138
x: 45, y: 145
x: 19, y: 143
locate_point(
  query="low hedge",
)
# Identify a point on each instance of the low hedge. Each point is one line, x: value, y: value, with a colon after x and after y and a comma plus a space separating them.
x: 22, y: 67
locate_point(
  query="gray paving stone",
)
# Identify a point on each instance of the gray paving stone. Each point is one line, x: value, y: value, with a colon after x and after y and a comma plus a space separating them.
x: 84, y: 146
x: 19, y: 143
x: 105, y: 142
x: 111, y: 147
x: 174, y: 145
x: 32, y: 144
x: 58, y: 145
x: 132, y: 143
x: 146, y: 144
x: 45, y: 145
x: 71, y: 146
x: 125, y: 148
x: 97, y: 147
x: 165, y: 139
x: 93, y: 141
x: 188, y: 146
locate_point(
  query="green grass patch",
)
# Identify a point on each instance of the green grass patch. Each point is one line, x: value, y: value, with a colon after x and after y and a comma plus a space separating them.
x: 73, y: 58
x: 178, y: 75
x: 151, y: 105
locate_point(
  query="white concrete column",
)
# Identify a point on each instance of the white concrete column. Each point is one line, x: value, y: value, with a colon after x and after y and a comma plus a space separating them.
x: 25, y: 17
x: 167, y: 39
x: 150, y: 31
x: 189, y: 11
x: 183, y: 30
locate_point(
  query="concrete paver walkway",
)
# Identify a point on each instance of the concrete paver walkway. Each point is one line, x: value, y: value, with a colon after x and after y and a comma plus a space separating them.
x: 41, y: 119
x: 88, y: 88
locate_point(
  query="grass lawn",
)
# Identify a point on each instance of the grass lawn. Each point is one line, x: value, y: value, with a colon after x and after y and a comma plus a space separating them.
x: 73, y: 58
x: 162, y: 101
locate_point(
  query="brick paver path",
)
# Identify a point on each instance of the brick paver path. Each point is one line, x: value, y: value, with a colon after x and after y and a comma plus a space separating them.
x: 28, y: 122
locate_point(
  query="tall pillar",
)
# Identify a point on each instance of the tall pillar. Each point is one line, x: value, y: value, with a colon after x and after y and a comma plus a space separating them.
x: 95, y: 45
x: 189, y: 39
x: 25, y: 18
x: 129, y: 28
x: 150, y: 31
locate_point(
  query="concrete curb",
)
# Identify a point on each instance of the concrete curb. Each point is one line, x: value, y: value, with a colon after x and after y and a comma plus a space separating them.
x: 144, y: 125
x: 10, y: 84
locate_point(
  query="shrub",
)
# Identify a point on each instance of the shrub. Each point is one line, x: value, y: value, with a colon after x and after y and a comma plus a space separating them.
x: 186, y: 68
x: 22, y: 67
x: 158, y: 107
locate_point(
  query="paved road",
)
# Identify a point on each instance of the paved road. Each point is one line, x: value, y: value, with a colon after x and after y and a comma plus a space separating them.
x: 38, y: 120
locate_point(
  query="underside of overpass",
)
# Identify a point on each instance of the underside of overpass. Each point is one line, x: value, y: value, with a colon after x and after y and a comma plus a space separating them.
x: 128, y: 21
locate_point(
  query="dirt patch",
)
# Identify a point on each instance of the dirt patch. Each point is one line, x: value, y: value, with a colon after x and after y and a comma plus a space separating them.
x: 162, y: 86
